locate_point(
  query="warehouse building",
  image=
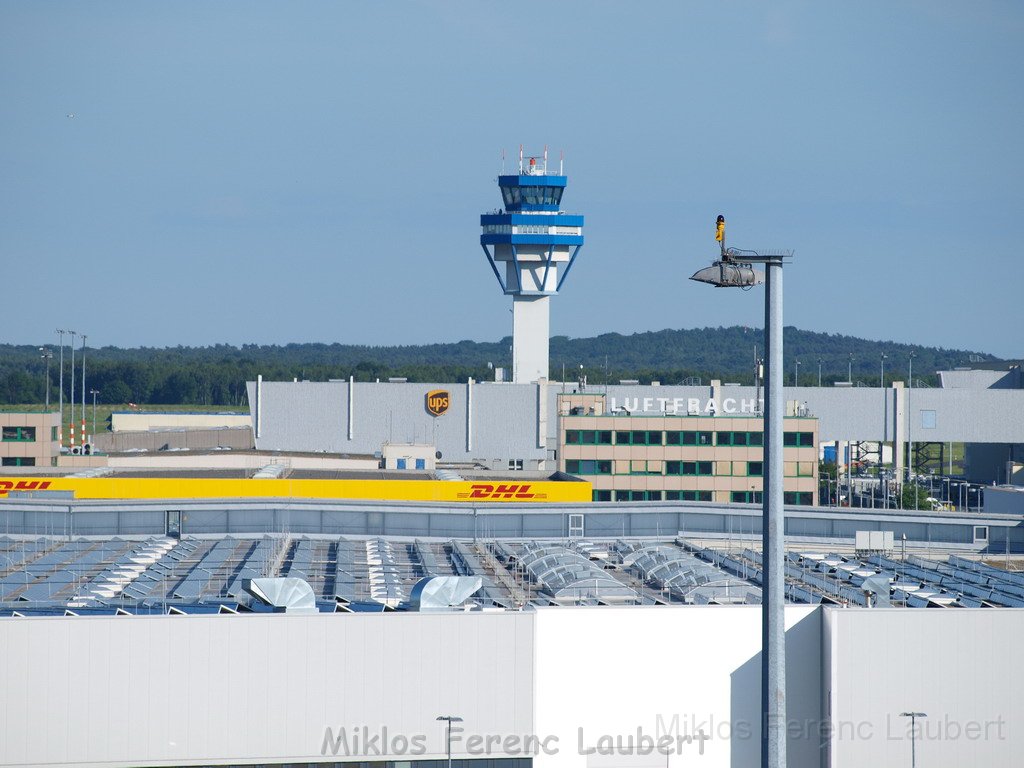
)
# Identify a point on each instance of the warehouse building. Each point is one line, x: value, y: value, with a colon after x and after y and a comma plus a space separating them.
x: 512, y: 426
x: 618, y: 646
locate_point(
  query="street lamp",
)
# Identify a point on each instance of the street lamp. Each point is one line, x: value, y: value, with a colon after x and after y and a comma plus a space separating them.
x: 60, y: 388
x: 885, y: 425
x: 819, y: 371
x: 735, y: 269
x: 83, y: 391
x: 94, y: 392
x: 71, y: 399
x: 47, y: 356
x: 910, y: 422
x: 913, y: 734
x: 849, y: 373
x: 796, y: 374
x: 449, y: 719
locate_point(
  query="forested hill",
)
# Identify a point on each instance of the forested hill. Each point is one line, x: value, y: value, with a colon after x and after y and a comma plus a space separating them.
x: 216, y: 375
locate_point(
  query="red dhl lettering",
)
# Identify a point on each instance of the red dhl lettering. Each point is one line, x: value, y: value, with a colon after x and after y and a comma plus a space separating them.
x: 513, y: 491
x: 23, y: 485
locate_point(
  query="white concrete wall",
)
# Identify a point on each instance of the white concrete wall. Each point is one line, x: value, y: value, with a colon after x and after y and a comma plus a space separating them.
x: 609, y: 671
x: 143, y: 421
x: 176, y: 690
x: 960, y: 667
x: 207, y: 690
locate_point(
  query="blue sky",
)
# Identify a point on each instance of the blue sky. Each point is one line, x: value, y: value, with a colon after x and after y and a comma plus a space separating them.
x: 274, y: 172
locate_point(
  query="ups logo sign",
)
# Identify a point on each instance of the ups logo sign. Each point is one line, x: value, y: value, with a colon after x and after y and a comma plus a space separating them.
x: 438, y: 401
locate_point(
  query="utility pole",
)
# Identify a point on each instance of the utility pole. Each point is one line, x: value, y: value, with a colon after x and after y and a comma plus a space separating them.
x: 819, y: 371
x: 47, y: 355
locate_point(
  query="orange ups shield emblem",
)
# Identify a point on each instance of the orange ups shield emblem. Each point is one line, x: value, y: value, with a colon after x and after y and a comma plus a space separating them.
x: 437, y: 401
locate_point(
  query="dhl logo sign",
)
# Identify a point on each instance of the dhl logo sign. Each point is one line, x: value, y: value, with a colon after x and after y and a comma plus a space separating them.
x: 6, y: 486
x: 502, y: 492
x: 465, y: 491
x: 438, y: 401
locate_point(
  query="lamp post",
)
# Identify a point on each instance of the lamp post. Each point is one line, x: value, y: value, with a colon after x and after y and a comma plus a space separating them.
x: 913, y: 734
x: 83, y: 391
x: 71, y: 399
x: 910, y: 422
x: 449, y: 719
x: 849, y: 371
x: 94, y: 392
x: 47, y: 355
x: 735, y: 269
x: 819, y: 371
x: 885, y: 426
x: 60, y: 391
x: 796, y: 374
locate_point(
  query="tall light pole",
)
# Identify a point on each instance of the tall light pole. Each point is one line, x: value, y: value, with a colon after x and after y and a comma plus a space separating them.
x: 910, y: 425
x: 71, y: 399
x: 796, y: 374
x: 819, y: 371
x: 913, y: 734
x: 849, y: 373
x: 47, y: 355
x: 449, y: 719
x: 735, y: 269
x: 83, y: 390
x: 60, y: 387
x: 885, y: 426
x: 94, y: 392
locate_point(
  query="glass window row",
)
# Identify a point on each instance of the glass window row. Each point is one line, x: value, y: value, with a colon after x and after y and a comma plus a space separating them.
x: 683, y: 468
x: 624, y: 495
x: 532, y: 195
x: 681, y: 437
x: 19, y: 434
x: 792, y: 498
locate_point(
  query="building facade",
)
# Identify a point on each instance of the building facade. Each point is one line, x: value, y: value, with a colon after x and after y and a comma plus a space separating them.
x: 637, y: 456
x: 29, y: 439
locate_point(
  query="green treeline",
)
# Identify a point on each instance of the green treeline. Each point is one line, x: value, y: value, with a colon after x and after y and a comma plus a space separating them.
x: 216, y: 375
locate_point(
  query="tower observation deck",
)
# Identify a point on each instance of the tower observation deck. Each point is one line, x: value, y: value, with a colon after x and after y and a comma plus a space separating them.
x: 531, y: 245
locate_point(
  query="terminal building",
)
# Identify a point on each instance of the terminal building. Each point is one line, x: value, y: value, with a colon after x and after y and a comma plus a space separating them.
x: 675, y: 456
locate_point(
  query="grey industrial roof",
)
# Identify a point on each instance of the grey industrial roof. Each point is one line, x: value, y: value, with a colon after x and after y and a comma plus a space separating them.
x: 160, y: 574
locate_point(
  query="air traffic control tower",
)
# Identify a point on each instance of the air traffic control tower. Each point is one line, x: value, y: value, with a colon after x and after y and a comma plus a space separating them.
x: 531, y: 246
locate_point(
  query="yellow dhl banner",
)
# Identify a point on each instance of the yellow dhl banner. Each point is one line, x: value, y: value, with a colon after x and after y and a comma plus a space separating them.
x: 225, y: 488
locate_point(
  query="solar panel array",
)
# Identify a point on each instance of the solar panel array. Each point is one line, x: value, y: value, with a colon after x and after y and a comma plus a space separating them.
x: 196, y: 575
